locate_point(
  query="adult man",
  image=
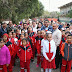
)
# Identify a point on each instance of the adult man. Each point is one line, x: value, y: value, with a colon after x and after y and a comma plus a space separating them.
x: 57, y: 38
x: 34, y: 26
x: 46, y: 26
x: 10, y: 26
x: 25, y: 26
x: 3, y: 29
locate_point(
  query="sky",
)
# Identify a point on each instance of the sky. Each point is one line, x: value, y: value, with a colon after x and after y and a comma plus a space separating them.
x: 52, y: 5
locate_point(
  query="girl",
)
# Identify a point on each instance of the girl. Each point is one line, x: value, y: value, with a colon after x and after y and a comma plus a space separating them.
x: 38, y: 46
x: 15, y: 46
x: 22, y: 31
x: 28, y: 39
x: 19, y: 41
x: 11, y: 49
x: 10, y: 37
x: 32, y: 37
x: 49, y: 51
x: 15, y: 40
x: 25, y: 54
x: 4, y: 56
x: 43, y: 35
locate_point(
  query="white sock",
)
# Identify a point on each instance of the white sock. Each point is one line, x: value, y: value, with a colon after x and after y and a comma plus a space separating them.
x: 46, y: 70
x: 49, y: 70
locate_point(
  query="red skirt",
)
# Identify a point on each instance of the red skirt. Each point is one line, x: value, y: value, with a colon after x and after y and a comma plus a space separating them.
x: 47, y: 64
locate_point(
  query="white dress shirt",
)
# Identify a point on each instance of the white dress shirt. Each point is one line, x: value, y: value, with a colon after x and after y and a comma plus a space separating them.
x: 46, y: 49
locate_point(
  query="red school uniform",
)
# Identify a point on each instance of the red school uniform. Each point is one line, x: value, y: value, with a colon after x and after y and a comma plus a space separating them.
x: 11, y: 49
x: 49, y: 51
x: 38, y: 46
x: 15, y: 46
x: 24, y: 53
x: 11, y: 40
x: 32, y: 37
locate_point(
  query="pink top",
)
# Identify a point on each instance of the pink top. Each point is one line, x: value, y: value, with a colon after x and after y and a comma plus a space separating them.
x: 4, y: 55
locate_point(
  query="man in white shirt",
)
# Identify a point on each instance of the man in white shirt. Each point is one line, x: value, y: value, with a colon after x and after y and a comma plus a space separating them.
x: 34, y: 26
x: 57, y: 39
x: 25, y: 26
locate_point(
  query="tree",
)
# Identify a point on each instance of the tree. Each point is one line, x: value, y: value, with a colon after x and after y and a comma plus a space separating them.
x: 38, y: 11
x: 20, y: 9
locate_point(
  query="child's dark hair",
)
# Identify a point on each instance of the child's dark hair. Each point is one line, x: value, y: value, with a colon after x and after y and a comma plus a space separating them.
x: 17, y: 29
x: 63, y: 30
x: 67, y: 32
x: 21, y: 34
x: 1, y: 39
x: 31, y: 27
x: 9, y: 32
x: 38, y: 31
x: 25, y: 33
x: 69, y: 35
x: 13, y: 32
x: 22, y: 30
x: 24, y: 39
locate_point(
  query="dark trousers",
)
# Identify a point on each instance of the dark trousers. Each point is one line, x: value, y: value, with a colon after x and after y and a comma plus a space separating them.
x: 57, y: 58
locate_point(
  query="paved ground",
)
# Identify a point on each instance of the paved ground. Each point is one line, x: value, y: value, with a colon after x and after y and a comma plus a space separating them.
x: 32, y: 67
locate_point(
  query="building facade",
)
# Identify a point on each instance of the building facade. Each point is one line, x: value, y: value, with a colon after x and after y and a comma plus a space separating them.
x: 65, y: 9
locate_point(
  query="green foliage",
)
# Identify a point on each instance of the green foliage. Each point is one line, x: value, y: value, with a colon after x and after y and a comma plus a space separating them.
x: 20, y: 9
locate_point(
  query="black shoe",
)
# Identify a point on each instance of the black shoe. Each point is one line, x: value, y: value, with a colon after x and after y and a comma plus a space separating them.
x: 14, y: 64
x: 32, y: 60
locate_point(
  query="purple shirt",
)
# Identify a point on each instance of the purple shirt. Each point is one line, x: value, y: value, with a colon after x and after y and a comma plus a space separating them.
x: 4, y: 55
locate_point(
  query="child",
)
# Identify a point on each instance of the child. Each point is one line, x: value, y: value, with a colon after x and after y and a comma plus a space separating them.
x: 38, y: 46
x: 66, y: 52
x: 15, y: 40
x: 43, y: 35
x: 28, y: 39
x: 24, y: 54
x: 18, y: 34
x: 62, y: 41
x: 11, y: 49
x: 15, y: 46
x: 22, y: 31
x: 10, y: 37
x: 19, y: 41
x: 49, y: 52
x: 32, y: 37
x: 67, y: 33
x: 4, y: 56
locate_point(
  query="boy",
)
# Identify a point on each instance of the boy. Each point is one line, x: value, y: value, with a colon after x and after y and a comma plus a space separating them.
x: 66, y: 52
x: 25, y: 54
x: 38, y: 46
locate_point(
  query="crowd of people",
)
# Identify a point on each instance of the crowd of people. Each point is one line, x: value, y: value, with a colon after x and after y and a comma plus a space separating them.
x: 50, y: 42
